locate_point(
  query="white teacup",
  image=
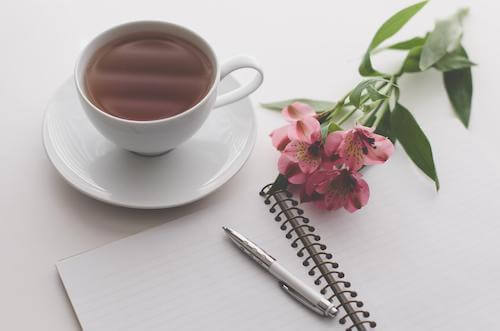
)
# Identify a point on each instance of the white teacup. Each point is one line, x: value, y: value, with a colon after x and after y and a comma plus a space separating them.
x: 160, y: 136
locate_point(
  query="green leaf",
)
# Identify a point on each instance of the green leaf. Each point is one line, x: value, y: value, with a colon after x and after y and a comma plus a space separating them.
x: 408, y: 44
x: 411, y: 63
x: 334, y: 127
x: 444, y: 39
x: 453, y: 61
x: 374, y: 94
x: 318, y: 105
x: 368, y: 117
x: 387, y: 30
x: 414, y: 141
x: 395, y: 23
x: 355, y: 96
x: 366, y: 68
x: 372, y: 91
x: 384, y: 128
x: 458, y: 85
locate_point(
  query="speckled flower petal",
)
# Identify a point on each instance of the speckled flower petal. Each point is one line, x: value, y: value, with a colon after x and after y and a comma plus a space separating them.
x: 351, y: 151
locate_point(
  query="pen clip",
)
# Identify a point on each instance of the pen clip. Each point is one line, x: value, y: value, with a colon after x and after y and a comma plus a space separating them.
x: 328, y: 311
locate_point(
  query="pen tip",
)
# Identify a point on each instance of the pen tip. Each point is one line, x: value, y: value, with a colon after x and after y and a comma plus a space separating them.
x: 226, y: 229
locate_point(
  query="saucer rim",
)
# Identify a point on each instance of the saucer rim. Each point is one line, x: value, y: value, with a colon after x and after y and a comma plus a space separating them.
x: 85, y: 188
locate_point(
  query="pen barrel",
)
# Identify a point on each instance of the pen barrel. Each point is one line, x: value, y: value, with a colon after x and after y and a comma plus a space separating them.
x: 307, y: 292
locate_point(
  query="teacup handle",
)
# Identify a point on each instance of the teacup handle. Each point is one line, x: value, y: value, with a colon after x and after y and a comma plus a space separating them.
x: 235, y: 63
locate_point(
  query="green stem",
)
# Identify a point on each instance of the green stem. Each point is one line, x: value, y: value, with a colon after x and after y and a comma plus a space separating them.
x: 363, y: 100
x: 380, y: 113
x: 339, y: 105
x: 377, y: 104
x: 346, y: 117
x: 385, y: 105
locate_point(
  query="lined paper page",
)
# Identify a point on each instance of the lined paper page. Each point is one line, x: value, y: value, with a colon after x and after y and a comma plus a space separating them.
x: 186, y: 275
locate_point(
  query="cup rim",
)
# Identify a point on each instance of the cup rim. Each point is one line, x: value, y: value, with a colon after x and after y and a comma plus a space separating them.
x: 166, y: 119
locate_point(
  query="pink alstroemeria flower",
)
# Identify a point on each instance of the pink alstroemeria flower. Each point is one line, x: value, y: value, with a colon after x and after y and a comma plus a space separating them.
x: 360, y: 146
x: 339, y: 188
x: 306, y: 155
x: 291, y: 170
x: 303, y: 124
x: 310, y: 153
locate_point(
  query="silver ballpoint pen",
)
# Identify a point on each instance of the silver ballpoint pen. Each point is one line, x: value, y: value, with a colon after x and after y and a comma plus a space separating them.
x: 288, y: 282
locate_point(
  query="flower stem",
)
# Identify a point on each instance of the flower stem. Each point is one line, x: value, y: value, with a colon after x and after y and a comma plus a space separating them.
x: 364, y: 98
x: 380, y: 113
x: 368, y: 116
x: 346, y: 116
x: 344, y: 98
x: 339, y: 105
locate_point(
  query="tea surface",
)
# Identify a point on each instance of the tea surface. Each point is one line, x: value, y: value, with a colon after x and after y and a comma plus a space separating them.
x: 148, y: 76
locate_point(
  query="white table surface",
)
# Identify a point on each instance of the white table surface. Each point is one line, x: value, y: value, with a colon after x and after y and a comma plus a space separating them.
x: 309, y: 49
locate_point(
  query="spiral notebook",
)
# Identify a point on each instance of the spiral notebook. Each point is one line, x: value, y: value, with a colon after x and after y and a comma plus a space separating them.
x: 317, y: 258
x: 411, y: 260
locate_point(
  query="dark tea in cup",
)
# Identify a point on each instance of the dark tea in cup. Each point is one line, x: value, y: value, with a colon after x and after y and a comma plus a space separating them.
x: 148, y: 76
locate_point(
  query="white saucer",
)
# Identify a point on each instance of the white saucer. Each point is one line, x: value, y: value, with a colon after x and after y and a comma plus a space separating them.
x: 98, y: 168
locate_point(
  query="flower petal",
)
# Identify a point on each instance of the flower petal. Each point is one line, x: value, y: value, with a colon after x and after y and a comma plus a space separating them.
x: 291, y: 170
x: 331, y: 158
x: 332, y: 142
x: 297, y: 177
x: 307, y: 130
x: 280, y: 138
x: 309, y: 165
x: 294, y: 148
x: 334, y: 200
x: 365, y: 129
x: 359, y: 197
x: 351, y: 151
x: 313, y: 197
x: 297, y: 111
x: 382, y: 151
x: 298, y: 151
x: 322, y: 183
x: 284, y: 164
x: 314, y: 180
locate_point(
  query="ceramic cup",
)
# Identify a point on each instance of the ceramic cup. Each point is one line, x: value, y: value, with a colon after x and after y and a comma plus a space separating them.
x: 160, y: 136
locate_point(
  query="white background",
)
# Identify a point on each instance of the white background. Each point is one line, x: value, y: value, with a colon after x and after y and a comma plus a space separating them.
x: 308, y: 49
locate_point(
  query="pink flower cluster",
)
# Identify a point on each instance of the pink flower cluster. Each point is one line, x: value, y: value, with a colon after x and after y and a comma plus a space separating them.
x: 326, y: 170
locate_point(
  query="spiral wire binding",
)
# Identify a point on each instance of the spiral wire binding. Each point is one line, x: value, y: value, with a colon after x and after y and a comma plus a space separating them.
x: 295, y: 224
